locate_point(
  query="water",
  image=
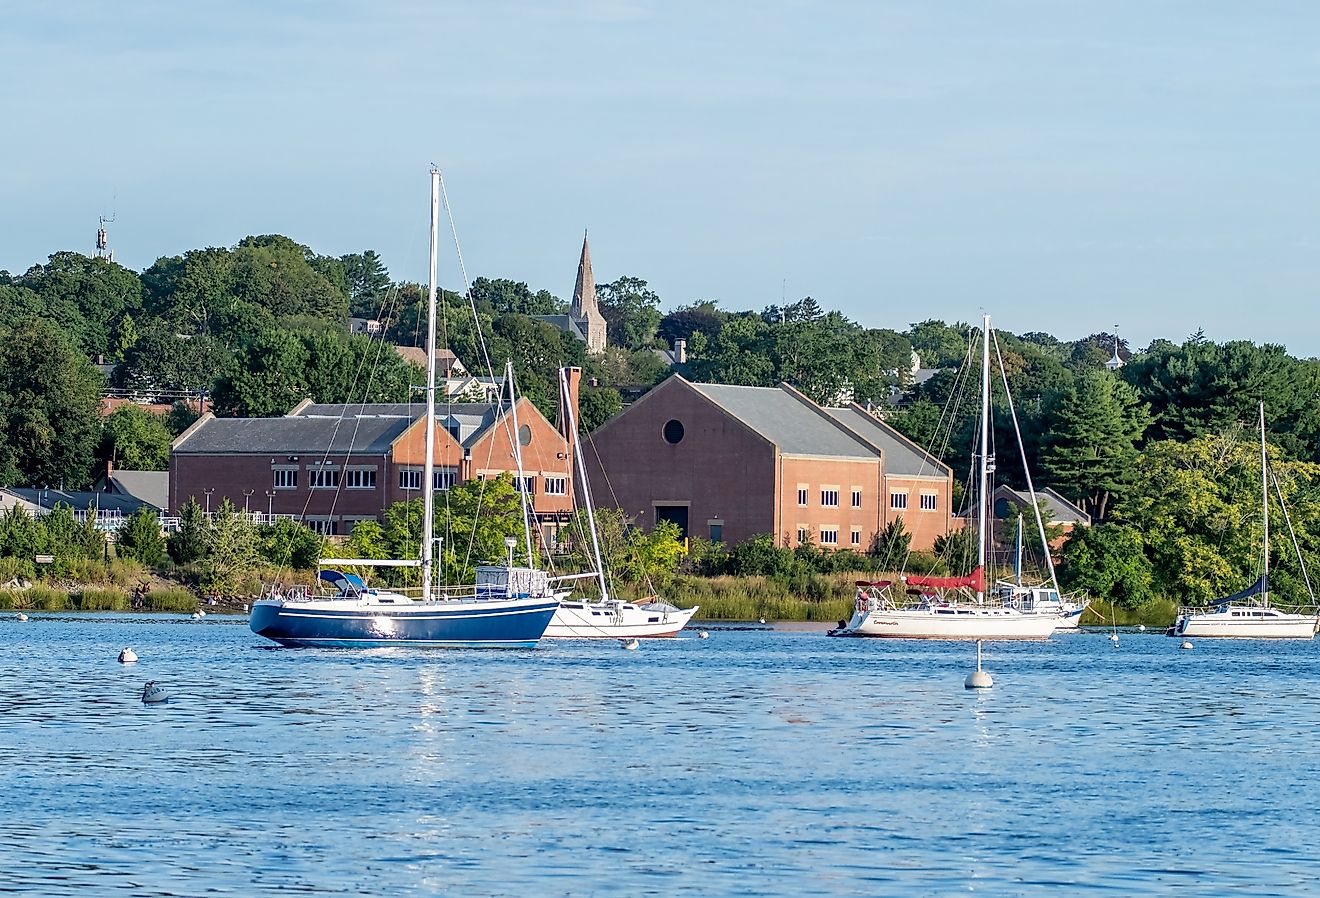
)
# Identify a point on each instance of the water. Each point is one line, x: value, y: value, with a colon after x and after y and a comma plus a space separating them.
x: 752, y: 763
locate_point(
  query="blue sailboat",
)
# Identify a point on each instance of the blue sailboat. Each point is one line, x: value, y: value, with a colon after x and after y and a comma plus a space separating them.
x: 508, y: 606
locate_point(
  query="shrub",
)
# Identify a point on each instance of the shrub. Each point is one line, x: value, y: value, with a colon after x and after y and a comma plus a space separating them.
x: 175, y: 600
x: 103, y: 600
x: 44, y: 598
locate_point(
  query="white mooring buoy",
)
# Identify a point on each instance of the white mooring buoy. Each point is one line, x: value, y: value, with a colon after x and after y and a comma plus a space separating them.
x: 1141, y: 628
x: 127, y: 656
x: 703, y: 635
x: 978, y: 679
x: 153, y: 694
x: 21, y: 617
x: 760, y: 620
x: 629, y: 644
x: 1113, y: 637
x: 1185, y: 644
x: 197, y: 615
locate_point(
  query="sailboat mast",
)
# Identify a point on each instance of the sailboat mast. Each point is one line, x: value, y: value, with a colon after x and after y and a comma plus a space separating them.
x: 586, y: 487
x: 1017, y: 561
x: 428, y: 466
x: 984, y: 477
x: 517, y: 457
x: 1265, y: 510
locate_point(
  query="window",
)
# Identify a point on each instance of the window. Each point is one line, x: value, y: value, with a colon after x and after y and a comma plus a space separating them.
x: 856, y: 498
x: 802, y: 496
x: 285, y: 478
x: 716, y: 532
x: 673, y: 432
x: 829, y: 536
x: 556, y: 486
x: 804, y: 535
x: 525, y: 485
x: 829, y: 498
x: 360, y: 478
x: 323, y: 478
x: 443, y: 479
x: 928, y: 501
x: 323, y: 526
x: 898, y: 500
x: 410, y: 479
x: 856, y: 537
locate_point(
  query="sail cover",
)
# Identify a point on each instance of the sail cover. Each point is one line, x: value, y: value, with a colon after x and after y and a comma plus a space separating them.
x: 975, y: 580
x: 1259, y: 588
x: 343, y: 582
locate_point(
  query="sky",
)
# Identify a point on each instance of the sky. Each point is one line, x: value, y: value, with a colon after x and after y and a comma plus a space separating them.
x: 1064, y: 166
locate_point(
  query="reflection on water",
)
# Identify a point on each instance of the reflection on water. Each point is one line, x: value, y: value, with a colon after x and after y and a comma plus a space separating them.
x: 752, y: 763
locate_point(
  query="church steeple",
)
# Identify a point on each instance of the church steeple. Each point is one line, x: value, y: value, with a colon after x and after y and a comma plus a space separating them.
x: 584, y: 307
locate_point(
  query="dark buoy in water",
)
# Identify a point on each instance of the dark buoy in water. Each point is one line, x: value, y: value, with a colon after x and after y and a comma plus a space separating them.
x: 128, y: 656
x: 153, y: 694
x: 978, y: 679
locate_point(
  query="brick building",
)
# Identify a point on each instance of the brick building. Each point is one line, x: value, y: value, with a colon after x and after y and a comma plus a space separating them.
x: 728, y: 463
x: 333, y: 465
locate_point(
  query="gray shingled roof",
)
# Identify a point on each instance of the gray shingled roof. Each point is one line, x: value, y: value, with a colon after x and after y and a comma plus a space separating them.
x: 300, y: 435
x: 1061, y: 510
x: 472, y: 418
x: 901, y: 457
x: 77, y: 500
x: 151, y: 487
x: 786, y: 421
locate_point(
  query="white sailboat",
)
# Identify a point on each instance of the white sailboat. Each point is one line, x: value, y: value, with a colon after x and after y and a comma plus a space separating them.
x: 1248, y: 614
x: 507, y: 607
x: 954, y: 607
x: 606, y: 617
x: 1042, y: 597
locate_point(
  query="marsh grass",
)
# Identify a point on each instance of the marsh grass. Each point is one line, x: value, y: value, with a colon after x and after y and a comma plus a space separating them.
x: 48, y: 598
x: 816, y: 597
x: 103, y: 600
x: 173, y: 600
x: 1157, y: 613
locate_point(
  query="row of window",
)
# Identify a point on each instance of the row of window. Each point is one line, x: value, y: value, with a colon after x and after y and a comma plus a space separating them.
x: 829, y: 536
x: 829, y: 498
x: 328, y: 478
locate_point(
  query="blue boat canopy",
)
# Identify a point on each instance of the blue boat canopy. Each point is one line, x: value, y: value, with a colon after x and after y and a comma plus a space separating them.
x: 1259, y: 588
x: 342, y: 581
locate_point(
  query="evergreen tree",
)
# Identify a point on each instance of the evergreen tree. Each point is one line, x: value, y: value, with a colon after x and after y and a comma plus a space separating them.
x: 139, y: 537
x: 188, y: 543
x: 232, y: 551
x: 1090, y: 449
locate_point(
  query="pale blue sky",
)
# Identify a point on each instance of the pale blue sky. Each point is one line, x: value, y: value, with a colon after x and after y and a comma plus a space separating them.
x: 1064, y: 165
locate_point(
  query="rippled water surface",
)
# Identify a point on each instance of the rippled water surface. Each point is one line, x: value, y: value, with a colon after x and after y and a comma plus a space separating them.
x: 752, y: 763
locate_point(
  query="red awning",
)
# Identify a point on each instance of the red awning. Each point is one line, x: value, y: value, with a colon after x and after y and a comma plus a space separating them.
x: 878, y: 584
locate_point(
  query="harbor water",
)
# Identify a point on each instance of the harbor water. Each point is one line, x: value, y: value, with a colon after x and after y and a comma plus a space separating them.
x: 757, y: 762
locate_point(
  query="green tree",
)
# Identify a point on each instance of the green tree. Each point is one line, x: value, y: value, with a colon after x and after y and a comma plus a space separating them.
x: 890, y: 545
x: 50, y: 397
x: 367, y: 280
x: 290, y: 544
x: 189, y: 542
x: 99, y: 291
x: 503, y: 296
x: 232, y: 552
x: 136, y: 439
x: 1108, y: 560
x: 957, y: 549
x: 1090, y: 450
x: 596, y: 405
x: 140, y: 537
x: 631, y: 310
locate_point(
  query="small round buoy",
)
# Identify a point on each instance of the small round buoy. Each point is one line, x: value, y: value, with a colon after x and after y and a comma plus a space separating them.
x: 760, y: 620
x: 21, y: 617
x: 629, y: 644
x: 197, y: 615
x: 978, y: 679
x: 127, y: 656
x: 1141, y: 628
x: 245, y: 608
x: 153, y: 694
x: 201, y: 612
x: 1113, y: 637
x: 1185, y: 645
x: 703, y: 635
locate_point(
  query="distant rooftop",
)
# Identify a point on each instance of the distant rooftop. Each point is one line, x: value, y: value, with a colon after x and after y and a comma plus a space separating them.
x: 779, y: 415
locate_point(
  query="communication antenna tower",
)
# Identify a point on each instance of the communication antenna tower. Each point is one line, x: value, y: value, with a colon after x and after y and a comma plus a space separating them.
x: 102, y: 244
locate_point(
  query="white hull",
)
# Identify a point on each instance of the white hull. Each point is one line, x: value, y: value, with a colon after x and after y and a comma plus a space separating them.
x: 615, y: 620
x: 1238, y: 622
x: 953, y: 622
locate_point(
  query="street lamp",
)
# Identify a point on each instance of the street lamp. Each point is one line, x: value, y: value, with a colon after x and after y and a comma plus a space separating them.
x: 247, y: 495
x: 270, y: 506
x: 208, y: 491
x: 511, y: 544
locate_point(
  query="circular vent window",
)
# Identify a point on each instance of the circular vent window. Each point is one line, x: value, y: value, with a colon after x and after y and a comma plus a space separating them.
x: 673, y: 432
x: 524, y: 435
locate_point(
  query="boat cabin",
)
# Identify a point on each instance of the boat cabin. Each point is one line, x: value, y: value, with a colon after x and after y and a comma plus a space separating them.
x: 501, y: 580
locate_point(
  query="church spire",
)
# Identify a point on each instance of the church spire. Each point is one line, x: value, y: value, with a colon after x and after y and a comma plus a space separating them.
x: 584, y: 308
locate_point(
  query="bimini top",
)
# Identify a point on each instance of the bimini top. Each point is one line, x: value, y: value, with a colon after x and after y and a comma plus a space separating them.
x: 348, y: 583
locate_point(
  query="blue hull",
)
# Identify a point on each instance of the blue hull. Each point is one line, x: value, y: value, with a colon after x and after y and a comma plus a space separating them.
x: 440, y: 625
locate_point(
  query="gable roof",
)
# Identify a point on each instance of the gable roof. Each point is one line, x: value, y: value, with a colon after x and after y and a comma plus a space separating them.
x: 902, y: 456
x: 291, y: 434
x: 786, y: 418
x: 151, y: 487
x: 1060, y: 509
x: 78, y: 500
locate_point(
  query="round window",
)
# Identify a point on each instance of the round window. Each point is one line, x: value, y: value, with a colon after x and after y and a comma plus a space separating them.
x: 673, y: 431
x: 525, y: 435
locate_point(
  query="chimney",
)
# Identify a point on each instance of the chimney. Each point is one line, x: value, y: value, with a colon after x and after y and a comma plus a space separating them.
x: 680, y: 351
x: 109, y: 472
x: 573, y: 378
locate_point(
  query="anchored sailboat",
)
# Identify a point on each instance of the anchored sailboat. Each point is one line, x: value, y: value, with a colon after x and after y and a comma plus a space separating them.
x: 606, y: 617
x: 508, y: 607
x: 1248, y: 614
x: 954, y: 607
